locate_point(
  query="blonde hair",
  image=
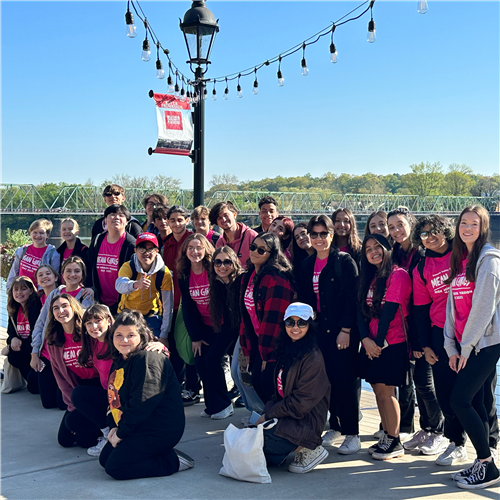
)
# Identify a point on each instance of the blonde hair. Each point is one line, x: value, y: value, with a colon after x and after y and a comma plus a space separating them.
x: 76, y: 227
x: 44, y: 224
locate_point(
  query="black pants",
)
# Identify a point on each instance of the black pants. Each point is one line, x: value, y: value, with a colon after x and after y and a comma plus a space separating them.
x: 276, y: 448
x: 50, y: 394
x: 444, y: 380
x: 138, y: 456
x: 209, y: 366
x: 182, y: 370
x: 92, y: 402
x: 491, y: 407
x: 342, y: 370
x: 467, y: 397
x: 263, y: 380
x: 21, y: 360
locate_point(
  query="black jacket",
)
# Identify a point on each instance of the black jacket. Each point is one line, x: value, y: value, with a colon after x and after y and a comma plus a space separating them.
x: 126, y: 254
x: 33, y: 311
x: 337, y: 294
x: 80, y: 250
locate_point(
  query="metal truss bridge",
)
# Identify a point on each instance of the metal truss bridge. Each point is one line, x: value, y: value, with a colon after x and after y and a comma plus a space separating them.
x: 87, y: 200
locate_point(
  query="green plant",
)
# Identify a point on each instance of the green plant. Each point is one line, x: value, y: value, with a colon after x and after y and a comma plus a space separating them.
x: 14, y: 240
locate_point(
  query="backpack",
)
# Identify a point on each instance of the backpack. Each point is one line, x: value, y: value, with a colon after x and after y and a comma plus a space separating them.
x: 159, y: 276
x: 420, y: 267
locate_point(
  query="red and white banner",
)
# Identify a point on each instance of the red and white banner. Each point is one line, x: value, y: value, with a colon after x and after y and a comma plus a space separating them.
x: 175, y: 125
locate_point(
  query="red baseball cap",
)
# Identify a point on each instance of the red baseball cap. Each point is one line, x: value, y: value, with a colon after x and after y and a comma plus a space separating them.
x: 144, y: 237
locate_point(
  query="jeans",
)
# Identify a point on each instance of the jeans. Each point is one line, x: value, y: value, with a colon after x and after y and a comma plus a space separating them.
x: 467, y: 397
x: 154, y: 322
x: 276, y: 448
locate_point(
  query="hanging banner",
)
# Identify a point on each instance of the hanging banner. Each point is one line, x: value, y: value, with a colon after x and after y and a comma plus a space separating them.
x: 175, y: 125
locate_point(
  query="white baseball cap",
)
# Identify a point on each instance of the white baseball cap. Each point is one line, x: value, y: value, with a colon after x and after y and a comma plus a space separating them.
x: 304, y: 311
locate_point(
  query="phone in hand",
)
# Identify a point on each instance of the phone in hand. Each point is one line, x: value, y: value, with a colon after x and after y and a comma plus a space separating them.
x: 254, y: 417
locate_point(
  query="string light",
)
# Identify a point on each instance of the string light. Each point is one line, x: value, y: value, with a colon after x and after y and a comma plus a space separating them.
x: 238, y: 88
x: 334, y: 57
x: 183, y: 98
x: 281, y: 80
x: 146, y: 49
x: 255, y: 90
x: 205, y: 93
x: 214, y: 93
x: 371, y: 36
x: 160, y: 72
x: 226, y: 92
x: 422, y: 6
x: 170, y: 81
x: 129, y: 21
x: 303, y: 63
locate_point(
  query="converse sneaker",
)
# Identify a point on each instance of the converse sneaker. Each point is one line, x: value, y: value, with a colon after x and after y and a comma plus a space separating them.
x: 330, y: 437
x: 95, y: 451
x: 351, y: 444
x: 457, y: 476
x: 307, y: 460
x: 435, y: 444
x: 418, y: 439
x: 486, y: 474
x: 226, y: 412
x: 390, y: 448
x: 185, y: 461
x: 452, y: 455
x: 374, y: 447
x: 189, y: 398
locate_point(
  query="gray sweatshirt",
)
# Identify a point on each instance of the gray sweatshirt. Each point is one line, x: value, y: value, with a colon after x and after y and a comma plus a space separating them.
x: 483, y: 324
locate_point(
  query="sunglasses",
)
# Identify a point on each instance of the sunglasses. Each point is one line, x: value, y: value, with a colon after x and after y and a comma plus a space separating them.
x: 260, y: 250
x: 301, y: 323
x: 323, y: 235
x: 225, y: 263
x: 425, y: 234
x: 112, y: 193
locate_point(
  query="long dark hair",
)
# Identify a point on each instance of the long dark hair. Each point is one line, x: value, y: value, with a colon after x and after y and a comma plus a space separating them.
x: 12, y: 305
x: 183, y: 262
x: 298, y: 254
x: 276, y: 261
x: 353, y: 239
x: 129, y: 317
x: 459, y: 249
x: 397, y: 250
x: 224, y: 296
x: 288, y: 236
x: 54, y: 332
x: 99, y: 312
x: 367, y: 273
x: 381, y: 214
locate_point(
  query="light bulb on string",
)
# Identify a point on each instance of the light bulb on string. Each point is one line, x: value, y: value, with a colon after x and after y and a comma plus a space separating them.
x: 170, y: 84
x: 189, y: 99
x: 160, y: 72
x: 226, y: 92
x: 303, y: 63
x: 334, y: 58
x: 422, y: 6
x: 238, y: 88
x: 281, y: 80
x: 255, y: 90
x: 214, y: 93
x: 129, y: 21
x: 205, y: 93
x: 183, y: 92
x: 371, y: 35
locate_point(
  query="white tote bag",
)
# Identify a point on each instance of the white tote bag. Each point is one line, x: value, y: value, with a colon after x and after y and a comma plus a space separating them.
x: 244, y: 458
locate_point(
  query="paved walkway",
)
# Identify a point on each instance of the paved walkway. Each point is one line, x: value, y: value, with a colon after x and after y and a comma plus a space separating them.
x: 35, y: 467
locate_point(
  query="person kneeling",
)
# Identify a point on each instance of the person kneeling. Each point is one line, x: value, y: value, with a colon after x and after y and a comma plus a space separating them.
x: 302, y: 395
x: 143, y: 394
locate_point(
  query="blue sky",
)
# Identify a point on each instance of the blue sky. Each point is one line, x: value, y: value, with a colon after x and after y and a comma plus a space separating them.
x: 75, y: 99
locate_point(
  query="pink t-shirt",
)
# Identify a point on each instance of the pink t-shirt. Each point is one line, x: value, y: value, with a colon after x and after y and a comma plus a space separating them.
x: 67, y: 254
x: 250, y: 304
x: 70, y: 355
x: 318, y: 267
x: 107, y: 269
x: 73, y: 293
x: 279, y: 383
x: 199, y: 291
x: 462, y: 291
x: 43, y: 299
x: 101, y: 365
x: 406, y: 259
x: 345, y: 249
x: 398, y: 289
x: 31, y: 261
x: 23, y: 325
x: 45, y: 351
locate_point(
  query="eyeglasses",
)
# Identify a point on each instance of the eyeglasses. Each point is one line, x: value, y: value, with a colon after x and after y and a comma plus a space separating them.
x: 225, y: 263
x: 425, y: 234
x: 260, y: 250
x: 323, y: 235
x: 301, y: 323
x: 153, y: 204
x: 112, y: 193
x: 143, y: 250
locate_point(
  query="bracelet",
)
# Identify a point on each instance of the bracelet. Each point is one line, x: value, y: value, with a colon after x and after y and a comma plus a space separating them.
x: 345, y: 331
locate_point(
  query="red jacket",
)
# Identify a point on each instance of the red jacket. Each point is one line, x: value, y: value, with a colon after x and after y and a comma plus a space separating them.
x: 273, y: 293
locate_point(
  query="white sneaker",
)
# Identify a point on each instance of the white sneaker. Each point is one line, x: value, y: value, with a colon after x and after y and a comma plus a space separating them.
x: 351, y: 444
x: 457, y: 476
x: 185, y: 461
x: 330, y: 437
x: 204, y: 414
x: 494, y: 454
x: 95, y: 451
x: 226, y: 412
x: 435, y: 444
x: 418, y: 439
x: 452, y: 455
x: 378, y: 434
x: 307, y: 460
x: 403, y: 436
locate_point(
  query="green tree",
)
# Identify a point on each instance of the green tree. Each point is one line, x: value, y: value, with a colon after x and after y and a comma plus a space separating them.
x: 487, y: 186
x: 425, y: 179
x: 458, y: 181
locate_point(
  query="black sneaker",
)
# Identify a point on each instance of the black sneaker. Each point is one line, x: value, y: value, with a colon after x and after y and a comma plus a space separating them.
x: 185, y: 461
x: 390, y: 448
x: 485, y: 474
x: 189, y: 398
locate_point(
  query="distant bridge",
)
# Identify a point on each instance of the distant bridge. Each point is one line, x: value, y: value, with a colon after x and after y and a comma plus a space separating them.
x: 17, y: 199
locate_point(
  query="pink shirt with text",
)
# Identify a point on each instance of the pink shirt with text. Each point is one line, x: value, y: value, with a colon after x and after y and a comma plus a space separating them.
x: 31, y: 261
x: 319, y: 265
x: 462, y: 291
x: 398, y: 289
x: 107, y: 269
x: 101, y: 365
x: 199, y: 292
x: 70, y: 356
x: 23, y: 325
x: 250, y: 304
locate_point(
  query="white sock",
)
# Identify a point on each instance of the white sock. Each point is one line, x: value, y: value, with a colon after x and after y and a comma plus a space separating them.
x: 105, y: 432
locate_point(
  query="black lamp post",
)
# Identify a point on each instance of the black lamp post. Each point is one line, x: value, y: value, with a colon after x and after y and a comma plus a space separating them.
x: 199, y: 28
